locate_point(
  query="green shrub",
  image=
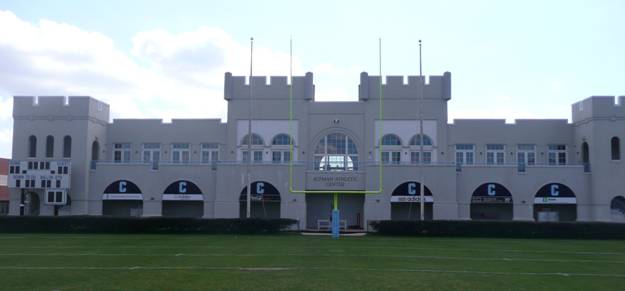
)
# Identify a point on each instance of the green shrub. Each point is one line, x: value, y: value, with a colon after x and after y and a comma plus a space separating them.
x: 502, y: 229
x: 102, y: 224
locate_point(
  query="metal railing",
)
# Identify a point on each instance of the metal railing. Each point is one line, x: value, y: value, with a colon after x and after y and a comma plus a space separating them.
x: 352, y: 166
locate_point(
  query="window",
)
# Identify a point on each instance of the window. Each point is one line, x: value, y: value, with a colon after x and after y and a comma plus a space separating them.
x: 585, y: 154
x: 67, y: 146
x: 427, y: 157
x: 256, y: 140
x: 336, y: 152
x: 49, y: 146
x: 151, y: 152
x: 495, y: 154
x: 281, y: 151
x: 256, y: 148
x: 557, y: 154
x: 95, y: 151
x: 526, y: 154
x: 258, y: 156
x: 32, y: 146
x: 416, y: 140
x: 121, y: 153
x: 615, y: 144
x: 180, y: 153
x: 210, y: 152
x: 391, y: 149
x: 464, y: 154
x: 415, y: 149
x: 281, y: 139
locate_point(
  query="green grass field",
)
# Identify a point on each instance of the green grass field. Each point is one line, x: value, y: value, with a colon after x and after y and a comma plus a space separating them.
x: 295, y: 262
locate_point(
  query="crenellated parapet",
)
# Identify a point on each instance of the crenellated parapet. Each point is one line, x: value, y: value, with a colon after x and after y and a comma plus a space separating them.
x: 436, y: 87
x: 598, y: 107
x: 274, y: 87
x: 55, y: 107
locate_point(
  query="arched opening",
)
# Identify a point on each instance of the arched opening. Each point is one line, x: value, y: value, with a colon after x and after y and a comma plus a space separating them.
x: 31, y: 203
x: 336, y: 152
x: 32, y: 146
x: 615, y: 145
x: 122, y: 198
x: 415, y: 149
x: 406, y: 203
x: 182, y: 199
x: 265, y: 201
x: 491, y: 201
x: 95, y: 151
x: 585, y: 153
x: 391, y: 149
x: 281, y: 148
x: 257, y: 147
x: 67, y: 146
x: 617, y: 208
x: 49, y: 146
x: 555, y: 202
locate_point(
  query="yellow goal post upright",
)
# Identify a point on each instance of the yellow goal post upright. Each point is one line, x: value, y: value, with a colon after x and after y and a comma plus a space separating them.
x: 335, y: 226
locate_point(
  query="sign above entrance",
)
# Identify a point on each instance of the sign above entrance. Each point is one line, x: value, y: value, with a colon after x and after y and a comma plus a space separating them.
x: 411, y: 192
x: 261, y: 191
x: 122, y: 190
x: 334, y: 181
x: 183, y: 190
x: 555, y: 193
x: 491, y: 193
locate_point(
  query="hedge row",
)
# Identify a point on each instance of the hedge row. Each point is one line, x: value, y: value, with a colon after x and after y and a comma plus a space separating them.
x: 100, y: 224
x: 502, y: 229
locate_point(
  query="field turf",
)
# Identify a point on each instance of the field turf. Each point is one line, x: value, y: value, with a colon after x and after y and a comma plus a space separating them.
x: 296, y: 262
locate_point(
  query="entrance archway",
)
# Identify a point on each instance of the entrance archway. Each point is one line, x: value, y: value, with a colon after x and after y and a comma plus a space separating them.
x: 265, y: 201
x: 182, y: 199
x: 617, y: 209
x: 122, y: 198
x: 491, y: 201
x: 31, y: 203
x: 405, y: 202
x: 555, y: 202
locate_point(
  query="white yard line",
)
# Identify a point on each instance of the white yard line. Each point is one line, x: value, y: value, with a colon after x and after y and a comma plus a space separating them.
x: 283, y: 269
x: 334, y: 254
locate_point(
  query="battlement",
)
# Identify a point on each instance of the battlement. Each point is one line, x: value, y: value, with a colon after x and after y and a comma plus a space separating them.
x: 236, y: 87
x: 598, y: 107
x: 59, y: 106
x: 436, y: 87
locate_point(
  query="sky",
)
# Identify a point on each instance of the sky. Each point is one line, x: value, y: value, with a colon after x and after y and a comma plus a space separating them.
x: 167, y: 59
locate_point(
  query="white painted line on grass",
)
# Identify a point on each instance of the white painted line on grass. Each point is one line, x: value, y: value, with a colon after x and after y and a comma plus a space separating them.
x: 282, y: 269
x: 334, y: 254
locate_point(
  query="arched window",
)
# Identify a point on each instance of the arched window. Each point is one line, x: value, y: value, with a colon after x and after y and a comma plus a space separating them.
x: 615, y: 144
x: 391, y: 140
x: 281, y: 139
x: 391, y: 149
x: 49, y: 146
x: 95, y: 151
x: 618, y: 206
x: 415, y: 149
x: 336, y: 152
x: 585, y: 153
x: 67, y: 146
x: 257, y: 148
x: 256, y: 140
x: 280, y: 152
x: 416, y: 140
x: 32, y: 146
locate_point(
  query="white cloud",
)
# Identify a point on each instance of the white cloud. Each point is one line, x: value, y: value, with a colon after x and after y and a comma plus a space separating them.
x: 165, y: 75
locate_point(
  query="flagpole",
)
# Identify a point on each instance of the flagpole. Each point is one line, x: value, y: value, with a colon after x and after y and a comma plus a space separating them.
x: 249, y: 138
x: 421, y: 159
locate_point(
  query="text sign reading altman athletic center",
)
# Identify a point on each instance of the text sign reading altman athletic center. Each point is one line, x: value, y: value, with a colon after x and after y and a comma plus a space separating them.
x: 334, y: 181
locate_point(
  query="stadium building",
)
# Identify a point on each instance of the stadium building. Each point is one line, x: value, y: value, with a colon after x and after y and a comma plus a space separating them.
x: 69, y: 159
